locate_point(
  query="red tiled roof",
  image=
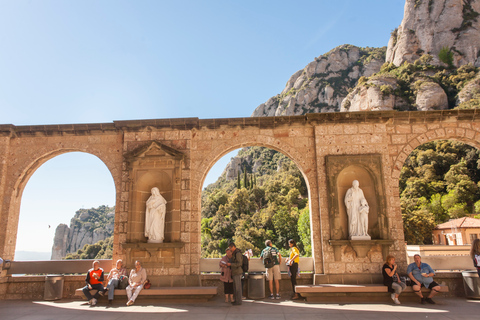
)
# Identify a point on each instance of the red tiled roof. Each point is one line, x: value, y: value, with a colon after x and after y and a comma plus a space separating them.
x: 464, y: 222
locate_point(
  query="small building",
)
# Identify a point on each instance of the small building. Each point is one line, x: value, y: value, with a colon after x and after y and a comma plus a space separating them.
x: 460, y: 231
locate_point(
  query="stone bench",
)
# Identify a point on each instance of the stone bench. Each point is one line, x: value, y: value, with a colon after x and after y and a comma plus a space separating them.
x: 178, y: 293
x: 354, y: 292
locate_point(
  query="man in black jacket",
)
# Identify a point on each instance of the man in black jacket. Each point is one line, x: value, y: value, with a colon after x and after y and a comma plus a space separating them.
x: 237, y: 271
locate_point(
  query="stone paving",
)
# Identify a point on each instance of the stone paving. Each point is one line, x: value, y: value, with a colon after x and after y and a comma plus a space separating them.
x: 446, y: 308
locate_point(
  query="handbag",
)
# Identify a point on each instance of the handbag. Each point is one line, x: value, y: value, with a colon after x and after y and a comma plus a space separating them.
x: 147, y: 284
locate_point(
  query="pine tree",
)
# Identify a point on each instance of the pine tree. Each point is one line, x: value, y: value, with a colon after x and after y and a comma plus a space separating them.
x: 239, y: 186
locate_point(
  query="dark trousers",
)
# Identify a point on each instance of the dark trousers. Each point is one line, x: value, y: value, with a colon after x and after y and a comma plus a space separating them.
x: 98, y: 286
x: 293, y: 275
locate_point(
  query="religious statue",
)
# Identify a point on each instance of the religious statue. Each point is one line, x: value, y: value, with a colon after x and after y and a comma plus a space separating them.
x: 357, y: 212
x: 155, y: 217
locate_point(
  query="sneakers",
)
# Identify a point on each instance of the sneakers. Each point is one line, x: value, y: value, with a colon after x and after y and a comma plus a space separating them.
x: 130, y: 302
x: 278, y: 296
x: 422, y: 301
x: 93, y: 302
x: 396, y: 301
x: 429, y: 300
x: 271, y: 297
x: 393, y: 296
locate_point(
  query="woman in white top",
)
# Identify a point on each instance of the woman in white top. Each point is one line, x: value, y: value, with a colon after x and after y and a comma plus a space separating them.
x: 137, y: 279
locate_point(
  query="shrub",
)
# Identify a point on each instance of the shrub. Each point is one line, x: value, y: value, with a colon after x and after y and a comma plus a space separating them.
x: 446, y: 56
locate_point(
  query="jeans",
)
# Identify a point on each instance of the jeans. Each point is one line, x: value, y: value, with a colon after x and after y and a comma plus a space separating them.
x: 112, y: 284
x: 398, y: 287
x: 136, y: 291
x: 98, y: 286
x: 237, y: 288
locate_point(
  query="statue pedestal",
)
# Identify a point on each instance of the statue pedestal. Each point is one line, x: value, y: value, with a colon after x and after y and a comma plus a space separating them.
x: 361, y: 247
x: 355, y: 238
x: 154, y: 255
x: 154, y: 241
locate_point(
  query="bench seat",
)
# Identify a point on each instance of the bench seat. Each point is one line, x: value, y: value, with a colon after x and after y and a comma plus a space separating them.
x: 325, y: 292
x: 203, y: 293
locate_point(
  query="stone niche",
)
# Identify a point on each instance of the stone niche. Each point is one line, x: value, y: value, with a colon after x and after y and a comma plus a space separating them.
x: 341, y: 172
x: 154, y: 165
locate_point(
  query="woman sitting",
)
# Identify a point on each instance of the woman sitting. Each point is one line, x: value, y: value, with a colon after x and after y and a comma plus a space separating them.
x: 137, y: 279
x: 391, y: 279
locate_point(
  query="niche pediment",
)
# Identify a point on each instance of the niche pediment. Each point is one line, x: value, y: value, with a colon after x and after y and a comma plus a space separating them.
x: 154, y: 150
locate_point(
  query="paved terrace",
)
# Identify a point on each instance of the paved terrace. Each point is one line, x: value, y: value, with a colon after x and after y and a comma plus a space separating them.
x: 446, y: 308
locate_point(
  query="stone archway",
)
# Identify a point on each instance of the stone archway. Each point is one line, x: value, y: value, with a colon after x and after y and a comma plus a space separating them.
x: 260, y: 141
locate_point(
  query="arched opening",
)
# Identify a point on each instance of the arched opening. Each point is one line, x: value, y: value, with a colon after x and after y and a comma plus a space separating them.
x: 68, y: 201
x: 439, y: 185
x: 261, y: 194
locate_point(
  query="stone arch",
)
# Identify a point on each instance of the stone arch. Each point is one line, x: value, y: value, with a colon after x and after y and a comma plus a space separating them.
x: 302, y: 161
x: 464, y: 135
x: 23, y: 176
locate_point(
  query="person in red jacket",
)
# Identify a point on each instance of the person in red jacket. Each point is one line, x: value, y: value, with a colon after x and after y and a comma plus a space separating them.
x: 94, y: 281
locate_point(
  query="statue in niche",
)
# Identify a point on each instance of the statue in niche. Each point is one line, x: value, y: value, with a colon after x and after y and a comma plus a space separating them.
x: 357, y: 212
x: 155, y: 217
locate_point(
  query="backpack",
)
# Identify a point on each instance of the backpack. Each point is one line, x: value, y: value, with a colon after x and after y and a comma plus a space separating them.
x: 245, y: 264
x: 268, y: 261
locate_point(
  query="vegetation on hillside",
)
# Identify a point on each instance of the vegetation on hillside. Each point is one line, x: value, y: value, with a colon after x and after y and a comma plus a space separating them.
x: 410, y: 76
x: 103, y: 249
x: 275, y: 207
x: 439, y: 181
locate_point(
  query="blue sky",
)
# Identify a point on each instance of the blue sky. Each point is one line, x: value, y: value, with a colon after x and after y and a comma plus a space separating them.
x: 100, y: 61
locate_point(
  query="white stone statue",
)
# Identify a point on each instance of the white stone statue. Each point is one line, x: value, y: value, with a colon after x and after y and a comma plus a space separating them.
x: 357, y: 212
x: 155, y: 217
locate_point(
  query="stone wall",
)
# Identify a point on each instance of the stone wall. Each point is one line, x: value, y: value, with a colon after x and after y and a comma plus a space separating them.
x: 195, y: 145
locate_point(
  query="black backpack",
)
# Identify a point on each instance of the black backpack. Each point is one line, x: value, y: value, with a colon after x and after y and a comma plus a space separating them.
x: 244, y: 260
x: 245, y: 264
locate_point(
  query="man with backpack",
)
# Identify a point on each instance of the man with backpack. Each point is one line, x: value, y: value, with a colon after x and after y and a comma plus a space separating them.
x: 271, y: 261
x: 237, y: 271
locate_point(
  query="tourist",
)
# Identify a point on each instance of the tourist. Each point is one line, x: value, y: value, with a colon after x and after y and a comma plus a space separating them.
x: 391, y: 279
x: 237, y: 271
x: 273, y: 272
x: 475, y: 254
x: 136, y: 280
x: 226, y: 276
x: 292, y: 263
x: 421, y: 275
x: 114, y: 278
x: 94, y: 280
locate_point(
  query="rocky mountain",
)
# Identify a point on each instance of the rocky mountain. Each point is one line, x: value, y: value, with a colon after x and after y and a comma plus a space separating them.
x: 431, y: 61
x: 430, y: 25
x: 323, y: 84
x: 430, y: 64
x: 88, y: 226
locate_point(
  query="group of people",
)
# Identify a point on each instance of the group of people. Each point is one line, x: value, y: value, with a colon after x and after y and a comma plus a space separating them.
x: 420, y: 275
x: 118, y: 275
x: 232, y: 274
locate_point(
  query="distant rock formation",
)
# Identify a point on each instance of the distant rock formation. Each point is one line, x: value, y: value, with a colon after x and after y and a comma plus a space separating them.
x: 428, y: 26
x: 88, y: 226
x: 323, y: 84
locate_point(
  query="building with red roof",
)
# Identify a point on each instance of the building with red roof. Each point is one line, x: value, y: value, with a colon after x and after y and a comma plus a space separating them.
x: 460, y: 231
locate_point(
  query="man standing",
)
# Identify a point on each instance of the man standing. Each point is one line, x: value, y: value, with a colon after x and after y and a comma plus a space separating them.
x: 273, y: 272
x: 422, y: 276
x: 237, y: 271
x: 94, y: 281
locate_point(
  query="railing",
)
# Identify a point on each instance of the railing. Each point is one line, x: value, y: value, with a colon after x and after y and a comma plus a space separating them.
x: 81, y: 266
x: 53, y: 266
x: 255, y: 265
